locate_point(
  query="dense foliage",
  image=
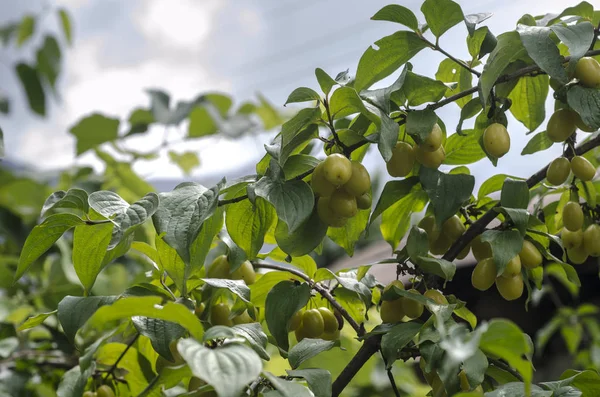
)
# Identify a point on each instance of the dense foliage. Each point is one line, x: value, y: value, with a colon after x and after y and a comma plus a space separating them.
x: 112, y: 289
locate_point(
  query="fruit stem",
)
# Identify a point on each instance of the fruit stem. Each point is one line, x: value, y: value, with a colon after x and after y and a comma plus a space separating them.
x: 336, y: 137
x: 436, y: 47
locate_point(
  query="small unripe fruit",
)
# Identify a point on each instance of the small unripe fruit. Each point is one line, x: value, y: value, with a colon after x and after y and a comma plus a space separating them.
x: 219, y: 268
x: 343, y: 204
x: 571, y: 239
x: 312, y: 323
x: 90, y: 394
x: 360, y: 181
x: 530, y: 255
x: 245, y: 272
x: 577, y: 255
x: 300, y: 334
x: 591, y: 240
x: 412, y: 309
x: 396, y: 283
x: 337, y: 169
x: 436, y: 296
x: 433, y: 140
x: 510, y: 288
x: 200, y: 309
x: 441, y: 245
x: 582, y: 168
x: 321, y: 186
x: 484, y: 274
x: 513, y: 267
x: 572, y: 216
x: 496, y: 140
x: 243, y: 318
x: 558, y: 171
x: 431, y: 159
x: 105, y: 391
x: 464, y: 381
x: 402, y: 161
x: 430, y: 226
x: 327, y: 215
x: 587, y: 72
x: 481, y: 249
x: 219, y: 315
x: 330, y: 323
x: 561, y: 125
x: 364, y: 201
x: 463, y: 254
x: 335, y: 335
x: 453, y: 228
x: 296, y: 320
x: 391, y: 311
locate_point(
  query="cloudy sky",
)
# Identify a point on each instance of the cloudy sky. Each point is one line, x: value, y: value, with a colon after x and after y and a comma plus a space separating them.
x: 187, y: 47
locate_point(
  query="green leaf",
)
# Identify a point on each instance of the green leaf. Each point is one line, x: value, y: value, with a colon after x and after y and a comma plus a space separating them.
x: 236, y: 287
x: 72, y: 199
x: 181, y: 213
x: 463, y: 149
x: 26, y: 29
x: 48, y: 60
x: 419, y: 124
x: 255, y: 335
x: 42, y: 237
x: 472, y: 20
x: 519, y: 217
x: 306, y: 349
x: 493, y: 184
x: 160, y: 332
x: 393, y: 51
x: 283, y: 300
x: 139, y: 120
x: 515, y: 194
x: 345, y: 101
x: 446, y: 192
x: 441, y: 15
x: 450, y: 72
x: 90, y: 244
x: 543, y: 51
x: 506, y: 244
x: 481, y: 42
x: 65, y: 22
x: 299, y: 164
x: 325, y: 81
x: 505, y: 340
x: 508, y: 50
x: 285, y: 388
x: 578, y: 38
x: 417, y: 243
x: 171, y: 262
x: 293, y: 127
x: 539, y: 142
x: 202, y: 122
x: 293, y: 200
x: 586, y: 381
x: 529, y: 100
x: 203, y: 242
x: 420, y: 89
x: 388, y: 136
x: 30, y: 80
x: 302, y: 94
x: 518, y: 389
x: 319, y: 380
x: 227, y: 368
x: 347, y: 236
x: 585, y: 101
x: 248, y: 223
x: 187, y: 161
x: 397, y: 338
x: 34, y: 321
x: 74, y: 311
x: 437, y: 266
x: 94, y: 130
x: 399, y: 14
x: 74, y: 381
x: 149, y: 306
x: 572, y: 334
x: 305, y: 263
x: 396, y: 220
x: 471, y: 109
x: 393, y: 191
x: 261, y: 288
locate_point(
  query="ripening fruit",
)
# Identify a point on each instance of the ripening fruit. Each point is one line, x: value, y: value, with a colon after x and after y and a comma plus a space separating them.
x: 484, y: 274
x: 587, y: 72
x: 90, y: 394
x: 436, y: 296
x: 433, y: 140
x: 364, y: 201
x: 510, y: 288
x: 558, y: 171
x: 430, y: 159
x: 296, y: 320
x: 453, y: 228
x: 577, y: 255
x: 496, y: 140
x: 513, y: 267
x: 105, y: 391
x: 330, y: 323
x: 582, y: 168
x: 321, y: 186
x: 536, y: 274
x: 300, y: 334
x: 219, y: 315
x: 591, y: 240
x: 571, y: 239
x: 219, y: 268
x: 402, y: 161
x: 412, y: 309
x: 326, y: 215
x: 481, y: 249
x: 360, y: 181
x: 530, y: 255
x: 464, y: 381
x: 343, y: 204
x: 200, y: 309
x: 395, y: 283
x: 243, y: 318
x: 463, y: 254
x: 430, y: 226
x: 441, y: 245
x: 335, y: 335
x: 337, y: 169
x: 245, y: 272
x: 391, y: 311
x: 572, y: 216
x: 312, y: 323
x: 561, y: 125
x: 581, y: 125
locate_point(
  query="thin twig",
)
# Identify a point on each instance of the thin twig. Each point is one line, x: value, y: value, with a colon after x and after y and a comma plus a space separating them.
x: 390, y: 375
x: 436, y: 47
x: 329, y: 123
x: 505, y: 367
x: 114, y: 366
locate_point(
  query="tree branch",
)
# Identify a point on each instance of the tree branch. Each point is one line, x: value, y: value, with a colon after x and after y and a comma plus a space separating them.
x: 369, y: 347
x: 111, y: 370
